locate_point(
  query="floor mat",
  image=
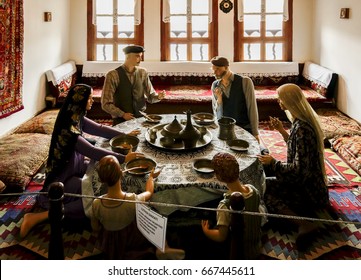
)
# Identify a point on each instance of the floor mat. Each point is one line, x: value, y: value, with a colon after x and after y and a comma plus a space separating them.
x: 13, y: 209
x: 333, y: 242
x: 338, y: 172
x: 77, y: 245
x: 344, y: 191
x: 279, y: 244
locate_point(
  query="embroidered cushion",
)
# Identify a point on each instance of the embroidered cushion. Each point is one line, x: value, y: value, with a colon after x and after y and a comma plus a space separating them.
x: 21, y: 156
x: 336, y: 124
x: 63, y: 86
x: 349, y: 147
x: 42, y: 123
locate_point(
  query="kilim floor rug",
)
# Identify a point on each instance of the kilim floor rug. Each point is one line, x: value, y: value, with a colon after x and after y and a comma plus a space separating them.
x: 332, y: 241
x: 13, y: 208
x: 78, y: 240
x: 345, y: 199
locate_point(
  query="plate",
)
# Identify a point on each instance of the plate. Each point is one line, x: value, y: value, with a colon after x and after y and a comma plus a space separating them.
x: 155, y: 118
x: 203, y: 118
x: 238, y: 145
x: 203, y: 165
x: 141, y: 162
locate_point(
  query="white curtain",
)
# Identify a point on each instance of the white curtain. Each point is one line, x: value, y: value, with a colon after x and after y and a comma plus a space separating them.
x: 94, y: 18
x: 137, y: 12
x: 166, y: 12
x: 240, y: 11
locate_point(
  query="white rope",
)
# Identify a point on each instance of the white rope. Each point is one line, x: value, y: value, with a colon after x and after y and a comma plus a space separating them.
x: 153, y: 203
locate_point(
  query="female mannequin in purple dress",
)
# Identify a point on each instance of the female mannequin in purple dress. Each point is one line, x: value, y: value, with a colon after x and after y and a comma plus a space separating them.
x: 69, y: 154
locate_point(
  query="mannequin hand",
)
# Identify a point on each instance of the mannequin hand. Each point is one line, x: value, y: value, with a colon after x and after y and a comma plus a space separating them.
x: 133, y: 155
x: 154, y: 173
x: 266, y: 159
x: 134, y: 132
x: 275, y: 123
x: 218, y: 94
x: 128, y: 116
x: 161, y: 95
x: 205, y: 225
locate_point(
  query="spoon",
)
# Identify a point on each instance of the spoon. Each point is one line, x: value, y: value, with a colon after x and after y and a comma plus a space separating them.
x: 199, y: 118
x: 147, y: 117
x: 142, y: 167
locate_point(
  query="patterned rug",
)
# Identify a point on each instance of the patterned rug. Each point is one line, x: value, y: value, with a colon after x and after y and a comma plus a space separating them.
x: 278, y: 244
x: 78, y: 240
x: 333, y: 241
x: 11, y: 57
x: 338, y: 172
x: 12, y: 210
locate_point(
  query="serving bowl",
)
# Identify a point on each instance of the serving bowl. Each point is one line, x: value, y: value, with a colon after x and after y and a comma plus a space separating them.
x: 203, y: 118
x: 122, y: 143
x: 146, y: 165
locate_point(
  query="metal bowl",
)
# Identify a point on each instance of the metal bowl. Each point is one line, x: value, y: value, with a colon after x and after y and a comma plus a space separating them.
x: 203, y: 165
x: 122, y: 143
x: 203, y: 118
x: 148, y: 162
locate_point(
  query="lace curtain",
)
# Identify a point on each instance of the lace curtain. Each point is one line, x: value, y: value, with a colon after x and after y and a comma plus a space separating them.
x: 166, y: 12
x: 137, y: 12
x: 240, y: 12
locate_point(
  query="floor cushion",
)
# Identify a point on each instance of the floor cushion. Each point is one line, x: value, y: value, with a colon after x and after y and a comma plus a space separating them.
x: 349, y: 147
x: 21, y: 156
x: 336, y: 124
x: 42, y: 123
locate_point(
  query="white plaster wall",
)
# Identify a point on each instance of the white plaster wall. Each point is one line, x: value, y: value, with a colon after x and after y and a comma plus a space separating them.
x: 46, y: 45
x: 337, y: 45
x: 301, y: 44
x: 318, y: 35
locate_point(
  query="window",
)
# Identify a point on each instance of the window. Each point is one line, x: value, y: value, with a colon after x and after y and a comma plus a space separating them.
x: 263, y: 30
x: 189, y: 30
x: 112, y: 25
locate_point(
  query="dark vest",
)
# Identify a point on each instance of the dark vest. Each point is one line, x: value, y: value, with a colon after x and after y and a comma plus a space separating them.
x: 235, y: 106
x: 123, y: 96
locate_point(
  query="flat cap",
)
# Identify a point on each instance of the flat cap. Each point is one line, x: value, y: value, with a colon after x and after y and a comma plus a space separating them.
x: 133, y: 49
x: 220, y: 61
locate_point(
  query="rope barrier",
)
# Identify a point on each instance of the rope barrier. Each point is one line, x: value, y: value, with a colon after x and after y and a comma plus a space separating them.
x: 163, y: 204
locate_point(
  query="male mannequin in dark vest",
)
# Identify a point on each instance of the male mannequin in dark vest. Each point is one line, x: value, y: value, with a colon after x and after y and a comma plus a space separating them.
x: 127, y: 88
x: 233, y: 96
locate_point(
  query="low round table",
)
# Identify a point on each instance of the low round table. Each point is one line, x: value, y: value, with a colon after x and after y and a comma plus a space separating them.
x: 178, y: 182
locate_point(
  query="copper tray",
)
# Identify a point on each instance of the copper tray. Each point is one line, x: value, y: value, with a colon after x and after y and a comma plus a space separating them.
x: 178, y: 145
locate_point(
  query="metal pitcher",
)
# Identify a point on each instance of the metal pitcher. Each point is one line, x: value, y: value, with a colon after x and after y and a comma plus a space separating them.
x: 226, y: 128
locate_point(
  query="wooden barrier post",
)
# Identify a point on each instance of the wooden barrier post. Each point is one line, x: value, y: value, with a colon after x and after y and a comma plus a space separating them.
x: 237, y: 227
x: 56, y: 214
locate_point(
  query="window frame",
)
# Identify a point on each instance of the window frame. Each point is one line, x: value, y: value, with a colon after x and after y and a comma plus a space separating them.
x: 92, y: 39
x: 286, y: 38
x: 212, y: 39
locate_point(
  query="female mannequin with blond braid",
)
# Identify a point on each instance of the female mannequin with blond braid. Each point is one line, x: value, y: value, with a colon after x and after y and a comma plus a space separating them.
x: 300, y: 184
